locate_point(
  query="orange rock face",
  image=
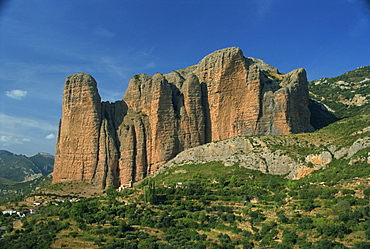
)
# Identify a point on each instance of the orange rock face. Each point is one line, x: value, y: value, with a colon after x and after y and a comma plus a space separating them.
x: 225, y: 95
x: 77, y: 145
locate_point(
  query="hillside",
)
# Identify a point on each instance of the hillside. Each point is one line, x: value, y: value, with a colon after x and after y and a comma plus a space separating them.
x: 346, y: 142
x: 20, y: 175
x: 343, y: 96
x: 235, y: 208
x: 17, y: 191
x: 44, y: 162
x: 20, y: 168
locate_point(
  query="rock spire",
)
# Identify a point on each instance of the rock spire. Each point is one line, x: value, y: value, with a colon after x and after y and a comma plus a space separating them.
x: 223, y: 96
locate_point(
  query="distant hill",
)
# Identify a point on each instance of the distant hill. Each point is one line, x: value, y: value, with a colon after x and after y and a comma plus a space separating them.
x: 44, y: 162
x: 20, y: 168
x: 20, y: 175
x: 339, y: 97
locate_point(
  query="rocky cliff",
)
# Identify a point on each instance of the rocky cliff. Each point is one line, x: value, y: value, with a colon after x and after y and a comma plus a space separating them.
x: 223, y: 96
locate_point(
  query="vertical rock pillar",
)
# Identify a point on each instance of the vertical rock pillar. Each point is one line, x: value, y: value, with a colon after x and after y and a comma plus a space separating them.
x: 77, y: 145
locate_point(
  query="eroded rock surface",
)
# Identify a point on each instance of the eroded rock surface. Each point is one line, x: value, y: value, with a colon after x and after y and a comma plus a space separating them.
x: 225, y: 95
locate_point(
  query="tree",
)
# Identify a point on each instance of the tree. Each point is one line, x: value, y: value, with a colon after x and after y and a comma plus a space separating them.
x: 224, y: 238
x: 283, y: 246
x: 367, y: 234
x: 343, y: 206
x: 73, y: 234
x: 305, y: 223
x: 202, y: 216
x: 367, y: 192
x: 247, y: 244
x: 256, y: 216
x: 150, y: 194
x: 290, y: 237
x: 308, y: 204
x: 282, y: 218
x: 362, y: 245
x: 327, y: 244
x: 111, y: 191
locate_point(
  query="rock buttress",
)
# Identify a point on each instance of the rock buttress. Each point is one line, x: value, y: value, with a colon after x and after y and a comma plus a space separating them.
x: 87, y: 146
x: 223, y: 96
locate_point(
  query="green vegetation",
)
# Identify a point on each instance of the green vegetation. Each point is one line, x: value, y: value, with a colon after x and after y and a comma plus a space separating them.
x: 273, y: 76
x: 203, y: 206
x: 16, y: 191
x: 338, y: 92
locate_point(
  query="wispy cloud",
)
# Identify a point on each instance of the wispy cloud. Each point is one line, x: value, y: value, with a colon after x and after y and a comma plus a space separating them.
x: 99, y: 31
x: 11, y: 122
x: 263, y: 7
x: 50, y: 136
x: 16, y: 94
x: 16, y: 134
x: 71, y: 55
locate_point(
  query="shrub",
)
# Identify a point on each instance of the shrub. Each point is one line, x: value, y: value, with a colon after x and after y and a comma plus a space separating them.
x: 305, y: 223
x: 257, y: 216
x: 289, y: 237
x: 362, y: 245
x: 367, y: 234
x: 367, y: 192
x: 283, y: 246
x: 327, y: 244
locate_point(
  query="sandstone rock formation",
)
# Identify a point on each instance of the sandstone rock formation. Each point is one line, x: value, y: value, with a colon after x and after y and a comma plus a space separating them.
x: 223, y: 96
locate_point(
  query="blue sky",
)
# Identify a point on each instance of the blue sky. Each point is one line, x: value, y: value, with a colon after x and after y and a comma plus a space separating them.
x: 44, y: 41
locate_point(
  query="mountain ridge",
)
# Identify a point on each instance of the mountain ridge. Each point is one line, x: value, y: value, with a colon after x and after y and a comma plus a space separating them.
x: 20, y: 168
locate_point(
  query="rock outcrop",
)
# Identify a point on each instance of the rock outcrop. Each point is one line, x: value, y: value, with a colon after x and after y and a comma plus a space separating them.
x: 276, y: 155
x: 249, y: 152
x: 224, y: 96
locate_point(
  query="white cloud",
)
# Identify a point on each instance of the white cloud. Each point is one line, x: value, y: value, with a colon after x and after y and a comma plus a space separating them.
x: 16, y: 94
x: 7, y: 140
x: 50, y: 136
